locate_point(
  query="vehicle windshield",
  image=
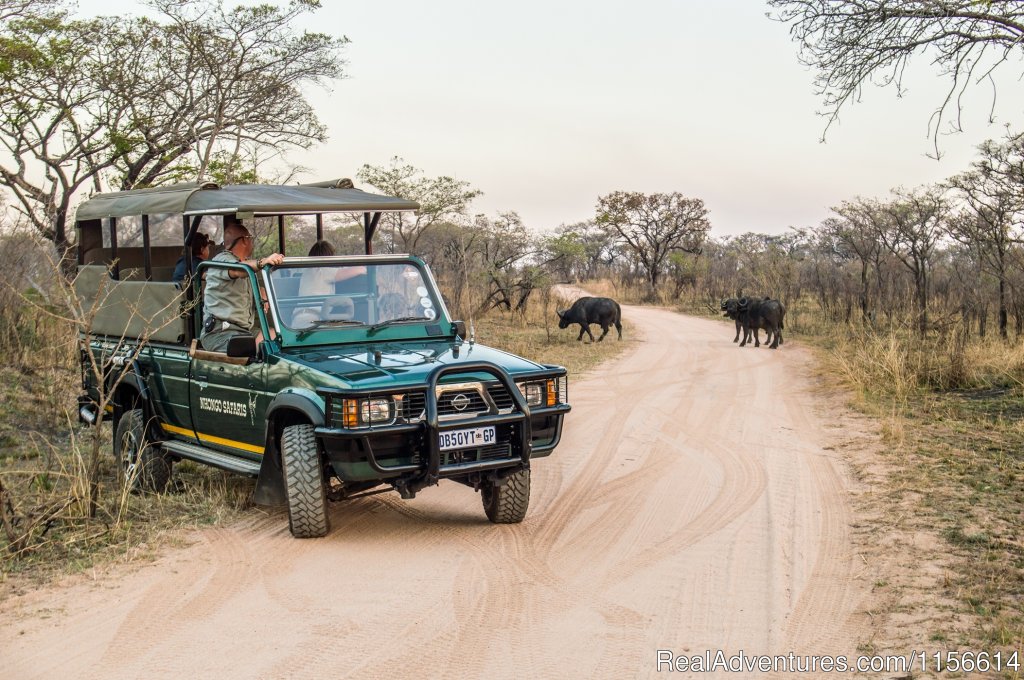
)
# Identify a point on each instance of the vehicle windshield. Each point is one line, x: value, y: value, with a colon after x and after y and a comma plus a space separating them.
x: 339, y: 294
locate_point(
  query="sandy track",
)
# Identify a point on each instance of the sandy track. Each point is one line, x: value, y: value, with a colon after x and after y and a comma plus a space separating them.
x: 694, y: 504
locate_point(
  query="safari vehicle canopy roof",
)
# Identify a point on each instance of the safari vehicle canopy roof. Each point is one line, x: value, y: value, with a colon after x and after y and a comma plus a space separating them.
x: 258, y: 199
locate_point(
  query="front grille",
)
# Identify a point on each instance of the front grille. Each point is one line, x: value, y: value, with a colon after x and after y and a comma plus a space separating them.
x: 501, y: 397
x: 413, y: 406
x: 470, y: 400
x: 495, y: 451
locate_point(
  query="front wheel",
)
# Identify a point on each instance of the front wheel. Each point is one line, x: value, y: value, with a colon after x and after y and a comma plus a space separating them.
x: 142, y: 466
x: 304, y: 483
x: 507, y: 504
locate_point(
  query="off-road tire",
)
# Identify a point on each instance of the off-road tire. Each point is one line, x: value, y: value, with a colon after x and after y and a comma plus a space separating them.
x: 141, y: 464
x: 304, y: 483
x: 507, y: 504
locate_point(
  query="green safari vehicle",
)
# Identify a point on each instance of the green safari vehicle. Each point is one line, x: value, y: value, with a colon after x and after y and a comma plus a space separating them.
x: 368, y: 386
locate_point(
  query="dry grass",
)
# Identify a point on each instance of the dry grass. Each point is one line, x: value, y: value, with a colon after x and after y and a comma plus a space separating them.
x: 43, y: 471
x: 951, y: 409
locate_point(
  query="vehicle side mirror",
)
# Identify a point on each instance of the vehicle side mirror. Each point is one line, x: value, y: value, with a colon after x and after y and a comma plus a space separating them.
x: 460, y: 328
x: 242, y: 346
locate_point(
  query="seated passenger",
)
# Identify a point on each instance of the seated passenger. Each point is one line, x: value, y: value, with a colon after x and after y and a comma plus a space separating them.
x: 229, y: 303
x: 200, y: 252
x: 319, y: 282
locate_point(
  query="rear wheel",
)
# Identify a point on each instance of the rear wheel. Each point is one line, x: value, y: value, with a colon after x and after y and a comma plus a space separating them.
x: 304, y: 483
x: 507, y: 503
x: 142, y: 466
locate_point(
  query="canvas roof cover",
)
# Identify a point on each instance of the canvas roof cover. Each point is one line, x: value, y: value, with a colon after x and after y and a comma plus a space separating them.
x: 259, y: 199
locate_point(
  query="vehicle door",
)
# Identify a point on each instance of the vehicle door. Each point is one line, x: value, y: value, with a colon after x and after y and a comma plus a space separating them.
x: 166, y: 373
x: 229, y: 399
x: 229, y: 403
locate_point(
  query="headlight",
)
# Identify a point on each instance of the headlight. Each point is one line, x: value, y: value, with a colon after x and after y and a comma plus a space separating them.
x: 540, y: 392
x: 377, y: 411
x: 373, y: 411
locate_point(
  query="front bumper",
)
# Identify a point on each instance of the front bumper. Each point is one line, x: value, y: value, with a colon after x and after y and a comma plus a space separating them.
x: 411, y: 451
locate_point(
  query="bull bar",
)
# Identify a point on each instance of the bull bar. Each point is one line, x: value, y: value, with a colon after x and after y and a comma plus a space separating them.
x: 432, y: 426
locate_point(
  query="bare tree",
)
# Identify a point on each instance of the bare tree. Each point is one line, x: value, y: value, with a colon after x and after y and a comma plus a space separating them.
x: 768, y: 263
x: 581, y: 250
x: 11, y: 10
x: 655, y: 225
x: 851, y: 43
x: 54, y: 119
x: 505, y: 250
x: 990, y: 226
x: 911, y: 227
x: 565, y: 254
x: 855, y: 234
x: 133, y: 102
x: 441, y: 199
x: 220, y: 80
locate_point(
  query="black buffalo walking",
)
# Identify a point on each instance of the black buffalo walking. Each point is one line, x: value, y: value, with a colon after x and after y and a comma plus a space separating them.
x: 588, y: 310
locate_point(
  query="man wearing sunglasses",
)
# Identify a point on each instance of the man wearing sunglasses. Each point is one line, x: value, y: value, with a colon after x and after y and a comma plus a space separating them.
x: 228, y: 303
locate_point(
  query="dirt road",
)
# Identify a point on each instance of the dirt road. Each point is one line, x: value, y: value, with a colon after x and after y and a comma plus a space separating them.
x: 694, y: 504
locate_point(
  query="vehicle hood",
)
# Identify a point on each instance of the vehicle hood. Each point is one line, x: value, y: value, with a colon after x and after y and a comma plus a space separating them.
x: 401, y: 363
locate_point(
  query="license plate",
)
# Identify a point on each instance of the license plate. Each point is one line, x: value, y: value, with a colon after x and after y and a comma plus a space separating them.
x: 466, y: 439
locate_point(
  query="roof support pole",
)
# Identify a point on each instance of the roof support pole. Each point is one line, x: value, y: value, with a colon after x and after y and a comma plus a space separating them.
x: 369, y: 227
x: 319, y: 227
x: 190, y: 234
x: 115, y: 272
x: 147, y: 257
x: 280, y: 234
x: 190, y: 287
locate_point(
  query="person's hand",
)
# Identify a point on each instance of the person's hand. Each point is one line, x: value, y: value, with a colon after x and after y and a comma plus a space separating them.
x: 273, y: 259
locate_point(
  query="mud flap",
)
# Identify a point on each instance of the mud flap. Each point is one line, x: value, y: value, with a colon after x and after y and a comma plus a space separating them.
x: 270, y: 484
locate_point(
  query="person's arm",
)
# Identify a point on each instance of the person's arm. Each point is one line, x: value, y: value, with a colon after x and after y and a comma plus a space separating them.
x: 273, y: 259
x: 345, y: 273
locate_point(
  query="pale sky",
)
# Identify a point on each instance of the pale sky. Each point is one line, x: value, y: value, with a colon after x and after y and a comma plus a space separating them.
x: 544, y: 106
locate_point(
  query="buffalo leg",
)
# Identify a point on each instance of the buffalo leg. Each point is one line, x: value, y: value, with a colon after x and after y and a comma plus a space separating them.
x: 737, y: 338
x: 604, y: 327
x: 583, y: 329
x: 746, y: 337
x: 757, y: 340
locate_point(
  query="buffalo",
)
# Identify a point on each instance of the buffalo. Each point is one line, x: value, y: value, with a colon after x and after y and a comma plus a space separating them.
x: 730, y: 308
x: 752, y: 314
x: 588, y: 310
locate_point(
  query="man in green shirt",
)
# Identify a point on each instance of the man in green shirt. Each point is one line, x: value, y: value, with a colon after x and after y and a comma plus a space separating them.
x: 229, y: 308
